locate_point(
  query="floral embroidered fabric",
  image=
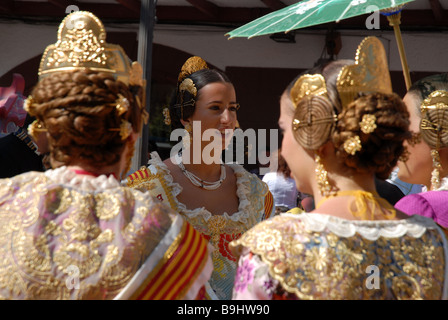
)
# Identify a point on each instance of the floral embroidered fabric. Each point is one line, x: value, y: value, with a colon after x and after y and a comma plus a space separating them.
x: 220, y: 230
x: 317, y: 256
x: 58, y: 226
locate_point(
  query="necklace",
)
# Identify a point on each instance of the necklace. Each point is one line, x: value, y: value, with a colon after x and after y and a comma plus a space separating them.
x: 362, y: 201
x: 195, y: 180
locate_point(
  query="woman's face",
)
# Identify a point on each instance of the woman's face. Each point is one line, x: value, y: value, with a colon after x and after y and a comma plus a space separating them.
x: 216, y: 108
x: 298, y: 159
x: 417, y: 169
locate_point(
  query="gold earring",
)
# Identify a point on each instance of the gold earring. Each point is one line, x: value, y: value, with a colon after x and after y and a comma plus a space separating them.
x: 416, y: 138
x: 187, y: 138
x: 35, y: 128
x: 435, y: 174
x: 404, y: 157
x: 322, y: 178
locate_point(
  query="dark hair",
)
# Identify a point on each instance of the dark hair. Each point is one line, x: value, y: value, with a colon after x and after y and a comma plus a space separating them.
x: 78, y: 109
x: 382, y: 147
x: 200, y: 79
x: 283, y: 167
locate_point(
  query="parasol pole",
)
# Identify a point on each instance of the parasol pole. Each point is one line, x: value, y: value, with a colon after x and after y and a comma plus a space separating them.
x: 394, y: 21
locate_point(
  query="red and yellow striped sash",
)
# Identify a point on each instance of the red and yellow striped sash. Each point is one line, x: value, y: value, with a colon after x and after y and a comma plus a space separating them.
x: 143, y: 173
x: 176, y: 272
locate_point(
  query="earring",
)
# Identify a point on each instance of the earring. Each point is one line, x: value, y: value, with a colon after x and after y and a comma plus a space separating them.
x: 322, y: 178
x: 416, y: 138
x: 435, y: 174
x: 187, y: 138
x: 404, y: 157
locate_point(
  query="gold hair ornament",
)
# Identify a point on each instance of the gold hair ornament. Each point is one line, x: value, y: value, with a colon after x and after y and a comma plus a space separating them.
x: 306, y: 85
x: 28, y: 103
x: 35, y: 128
x: 122, y: 105
x: 188, y: 85
x: 433, y: 126
x: 125, y: 129
x: 352, y: 145
x: 192, y: 65
x: 434, y: 110
x: 309, y: 86
x: 166, y: 116
x: 369, y: 74
x: 82, y: 45
x: 368, y: 125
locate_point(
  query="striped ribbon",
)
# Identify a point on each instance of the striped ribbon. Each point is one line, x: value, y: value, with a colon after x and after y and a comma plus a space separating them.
x: 176, y: 272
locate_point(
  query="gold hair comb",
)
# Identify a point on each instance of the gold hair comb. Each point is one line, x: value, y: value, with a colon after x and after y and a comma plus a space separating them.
x: 370, y: 72
x: 306, y: 85
x: 82, y: 44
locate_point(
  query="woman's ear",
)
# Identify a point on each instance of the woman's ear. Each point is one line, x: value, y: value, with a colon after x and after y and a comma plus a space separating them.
x: 325, y: 149
x: 184, y: 122
x: 133, y: 137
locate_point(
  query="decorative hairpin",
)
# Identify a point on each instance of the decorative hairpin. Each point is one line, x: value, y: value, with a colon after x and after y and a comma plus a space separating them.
x: 192, y: 65
x: 28, y: 103
x: 125, y: 129
x: 167, y: 117
x: 370, y: 73
x: 434, y: 120
x: 122, y: 105
x: 368, y: 124
x: 306, y: 85
x: 35, y: 128
x: 188, y: 85
x: 352, y: 145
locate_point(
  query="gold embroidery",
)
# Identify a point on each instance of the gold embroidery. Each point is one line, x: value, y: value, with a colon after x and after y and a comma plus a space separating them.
x: 218, y: 229
x: 155, y: 184
x: 327, y: 266
x: 108, y: 205
x: 37, y: 248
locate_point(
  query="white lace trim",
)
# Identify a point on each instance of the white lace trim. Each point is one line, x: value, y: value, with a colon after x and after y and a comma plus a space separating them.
x: 242, y: 183
x: 414, y: 226
x: 443, y: 185
x: 69, y: 178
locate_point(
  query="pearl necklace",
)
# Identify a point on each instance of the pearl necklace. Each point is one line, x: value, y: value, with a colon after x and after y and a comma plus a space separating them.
x: 195, y: 180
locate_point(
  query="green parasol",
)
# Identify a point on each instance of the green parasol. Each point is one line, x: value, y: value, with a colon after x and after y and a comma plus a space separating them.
x: 308, y: 13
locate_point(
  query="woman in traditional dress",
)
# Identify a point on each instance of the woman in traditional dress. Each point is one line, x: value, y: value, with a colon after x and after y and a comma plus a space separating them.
x: 342, y: 126
x: 73, y: 232
x: 220, y: 200
x: 427, y: 161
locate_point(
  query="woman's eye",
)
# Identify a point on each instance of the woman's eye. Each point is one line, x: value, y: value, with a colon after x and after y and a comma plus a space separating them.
x: 234, y: 107
x: 214, y: 107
